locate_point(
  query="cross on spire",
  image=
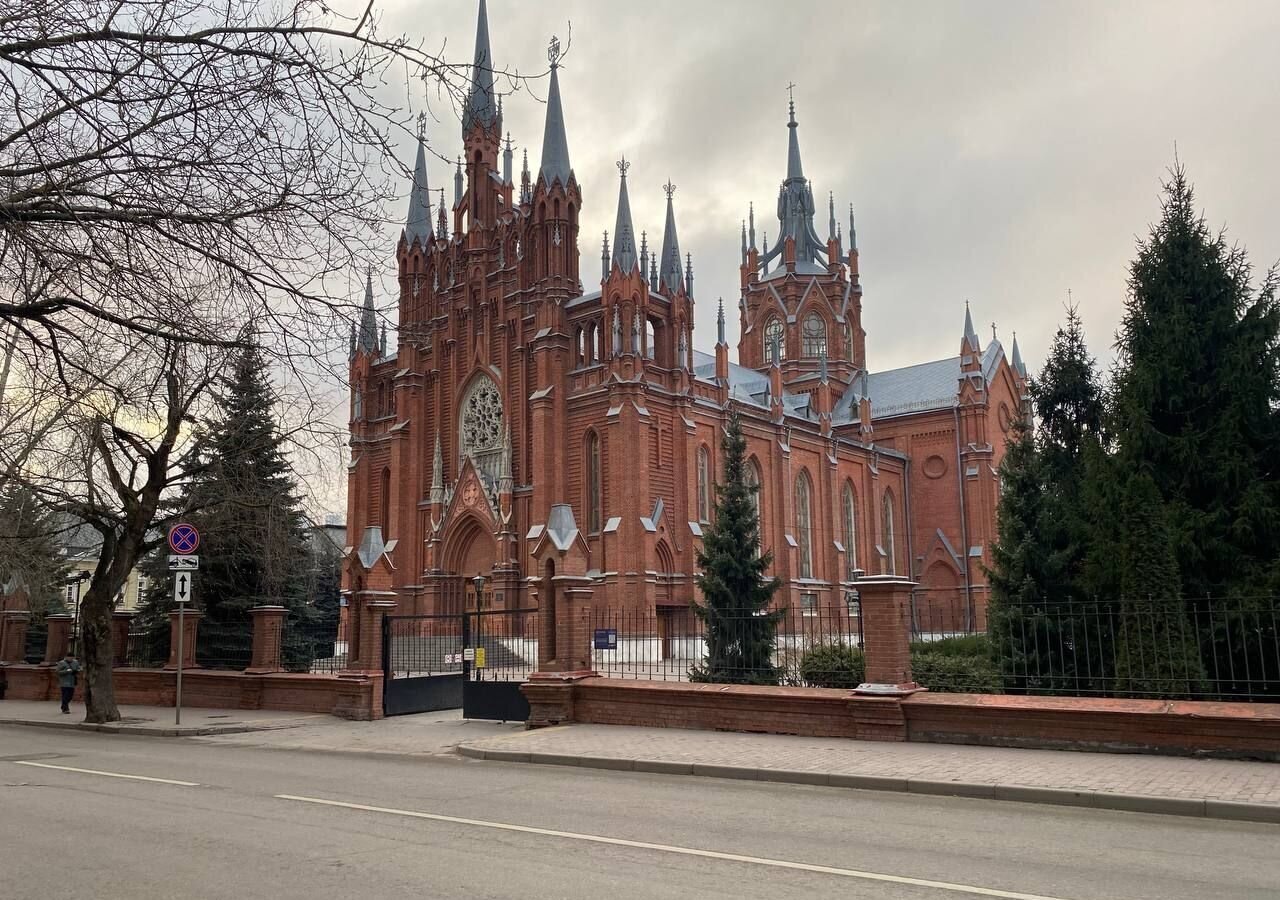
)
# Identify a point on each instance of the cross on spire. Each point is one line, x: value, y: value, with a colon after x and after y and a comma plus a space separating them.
x: 623, y: 166
x: 993, y: 331
x: 553, y: 51
x: 669, y: 188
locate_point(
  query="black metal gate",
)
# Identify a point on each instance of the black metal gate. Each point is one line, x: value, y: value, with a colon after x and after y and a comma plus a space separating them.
x: 422, y: 663
x: 474, y: 660
x: 503, y: 652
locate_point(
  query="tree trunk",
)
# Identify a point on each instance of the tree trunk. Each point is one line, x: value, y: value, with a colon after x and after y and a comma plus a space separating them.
x: 95, y: 628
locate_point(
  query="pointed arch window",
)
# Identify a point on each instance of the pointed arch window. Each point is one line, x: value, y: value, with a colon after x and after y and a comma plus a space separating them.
x: 887, y: 535
x: 849, y: 529
x: 593, y: 487
x: 775, y: 344
x: 804, y: 525
x: 753, y: 481
x: 814, y: 334
x: 704, y: 485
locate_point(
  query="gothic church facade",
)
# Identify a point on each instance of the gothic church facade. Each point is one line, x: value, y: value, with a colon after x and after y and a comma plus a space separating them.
x: 512, y: 392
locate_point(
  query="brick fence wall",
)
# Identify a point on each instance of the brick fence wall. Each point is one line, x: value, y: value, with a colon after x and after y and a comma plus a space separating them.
x: 1250, y: 730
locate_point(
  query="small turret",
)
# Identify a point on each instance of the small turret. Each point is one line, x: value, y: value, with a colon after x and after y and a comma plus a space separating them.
x: 624, y: 242
x: 506, y: 162
x: 1018, y: 365
x: 555, y: 145
x: 670, y: 275
x: 604, y: 258
x: 368, y: 338
x: 458, y: 184
x: 644, y: 254
x: 970, y: 335
x: 417, y: 225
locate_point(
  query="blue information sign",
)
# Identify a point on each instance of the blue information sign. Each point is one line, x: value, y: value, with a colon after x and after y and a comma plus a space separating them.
x: 606, y: 639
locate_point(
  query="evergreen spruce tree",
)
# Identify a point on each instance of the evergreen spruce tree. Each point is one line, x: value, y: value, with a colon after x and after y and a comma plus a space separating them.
x: 30, y: 552
x: 1038, y: 618
x: 253, y: 534
x: 1195, y: 409
x: 1196, y: 390
x: 740, y: 629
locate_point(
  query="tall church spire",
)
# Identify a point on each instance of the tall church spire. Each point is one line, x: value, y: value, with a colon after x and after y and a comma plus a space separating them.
x: 482, y: 102
x: 555, y: 146
x: 624, y: 239
x: 795, y: 172
x: 418, y: 223
x: 368, y: 339
x: 670, y: 272
x: 795, y: 205
x: 1017, y: 358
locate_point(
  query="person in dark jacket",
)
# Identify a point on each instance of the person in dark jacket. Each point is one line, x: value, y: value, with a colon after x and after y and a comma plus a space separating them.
x: 67, y: 670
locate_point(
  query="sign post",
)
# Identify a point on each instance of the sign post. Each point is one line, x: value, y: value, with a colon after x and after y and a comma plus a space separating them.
x: 183, y: 541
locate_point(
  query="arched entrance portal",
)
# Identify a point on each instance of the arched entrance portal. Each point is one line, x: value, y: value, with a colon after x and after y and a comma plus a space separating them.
x: 472, y: 551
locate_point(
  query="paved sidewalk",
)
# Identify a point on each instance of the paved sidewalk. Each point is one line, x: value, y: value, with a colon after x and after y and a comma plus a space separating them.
x: 1161, y: 784
x: 156, y: 720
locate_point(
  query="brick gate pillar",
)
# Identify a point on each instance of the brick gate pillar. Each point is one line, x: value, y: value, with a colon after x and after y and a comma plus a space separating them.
x: 364, y: 654
x: 886, y: 634
x: 120, y: 622
x: 13, y: 635
x: 268, y: 630
x: 191, y: 630
x: 561, y: 557
x: 59, y: 639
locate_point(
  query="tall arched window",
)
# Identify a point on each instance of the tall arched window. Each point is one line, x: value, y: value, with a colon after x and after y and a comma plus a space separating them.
x: 704, y: 485
x: 804, y: 524
x: 753, y: 481
x: 775, y: 345
x: 849, y: 520
x: 650, y: 339
x: 887, y: 538
x: 814, y: 334
x: 384, y: 504
x: 594, y: 499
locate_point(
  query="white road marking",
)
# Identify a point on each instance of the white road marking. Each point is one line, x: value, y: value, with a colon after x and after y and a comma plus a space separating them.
x: 108, y: 774
x: 683, y: 851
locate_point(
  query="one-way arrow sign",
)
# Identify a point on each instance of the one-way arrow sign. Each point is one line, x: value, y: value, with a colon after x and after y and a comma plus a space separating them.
x: 182, y: 584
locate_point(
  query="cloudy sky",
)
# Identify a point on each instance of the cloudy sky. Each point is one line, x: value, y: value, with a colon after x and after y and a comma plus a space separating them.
x: 1000, y: 152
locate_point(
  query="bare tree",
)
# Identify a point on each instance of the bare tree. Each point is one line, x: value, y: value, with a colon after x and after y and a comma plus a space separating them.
x: 169, y: 171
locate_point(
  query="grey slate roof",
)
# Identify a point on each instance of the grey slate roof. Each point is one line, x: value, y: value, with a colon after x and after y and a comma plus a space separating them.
x: 555, y: 146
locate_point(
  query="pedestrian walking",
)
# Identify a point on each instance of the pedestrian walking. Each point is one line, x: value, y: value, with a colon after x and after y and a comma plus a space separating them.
x: 67, y: 670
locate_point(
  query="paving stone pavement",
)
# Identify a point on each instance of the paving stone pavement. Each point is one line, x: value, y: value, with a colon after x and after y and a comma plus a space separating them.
x: 1127, y: 774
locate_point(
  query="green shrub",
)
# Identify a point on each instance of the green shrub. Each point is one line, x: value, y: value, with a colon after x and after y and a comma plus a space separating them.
x: 954, y: 673
x: 833, y: 666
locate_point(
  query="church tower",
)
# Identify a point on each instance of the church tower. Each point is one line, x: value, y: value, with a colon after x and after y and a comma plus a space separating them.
x: 801, y: 305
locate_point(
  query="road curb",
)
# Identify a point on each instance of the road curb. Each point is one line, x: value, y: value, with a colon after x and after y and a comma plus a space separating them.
x: 150, y: 730
x: 1227, y: 810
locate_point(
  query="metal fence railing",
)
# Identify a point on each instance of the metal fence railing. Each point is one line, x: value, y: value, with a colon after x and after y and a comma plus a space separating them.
x: 224, y: 645
x: 808, y: 646
x: 147, y: 649
x: 317, y: 646
x: 1199, y: 648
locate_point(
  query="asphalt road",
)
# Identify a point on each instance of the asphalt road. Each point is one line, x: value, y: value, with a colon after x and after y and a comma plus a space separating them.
x: 290, y: 824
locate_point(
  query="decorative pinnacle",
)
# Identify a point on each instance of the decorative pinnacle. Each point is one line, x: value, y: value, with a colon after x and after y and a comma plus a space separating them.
x: 553, y: 51
x: 422, y: 125
x: 669, y: 188
x: 791, y: 95
x: 508, y: 140
x: 623, y: 166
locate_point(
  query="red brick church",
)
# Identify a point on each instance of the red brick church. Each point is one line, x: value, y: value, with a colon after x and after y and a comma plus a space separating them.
x: 522, y: 418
